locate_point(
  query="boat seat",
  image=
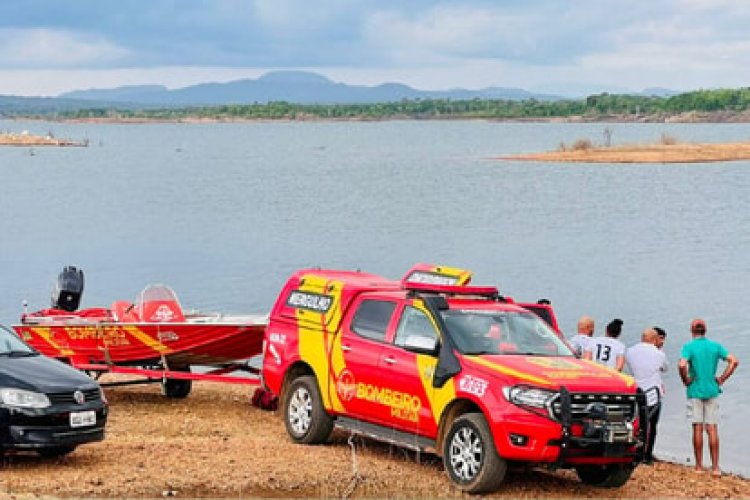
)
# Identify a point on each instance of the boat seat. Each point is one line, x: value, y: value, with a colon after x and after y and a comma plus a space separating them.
x: 124, y: 312
x: 95, y: 313
x: 162, y: 311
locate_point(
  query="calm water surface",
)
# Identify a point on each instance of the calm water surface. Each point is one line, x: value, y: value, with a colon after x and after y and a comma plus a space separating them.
x: 225, y: 212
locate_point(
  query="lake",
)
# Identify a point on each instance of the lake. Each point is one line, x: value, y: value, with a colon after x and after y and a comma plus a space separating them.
x: 225, y: 212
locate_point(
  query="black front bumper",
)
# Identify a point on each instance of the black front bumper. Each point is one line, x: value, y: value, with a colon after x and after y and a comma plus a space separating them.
x: 601, y: 438
x: 48, y: 428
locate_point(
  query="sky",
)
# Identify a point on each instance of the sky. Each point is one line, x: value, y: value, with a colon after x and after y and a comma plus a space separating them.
x: 567, y: 47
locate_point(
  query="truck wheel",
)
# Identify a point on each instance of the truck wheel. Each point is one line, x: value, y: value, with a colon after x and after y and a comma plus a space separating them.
x: 605, y: 476
x: 304, y: 416
x: 470, y: 456
x: 176, y: 388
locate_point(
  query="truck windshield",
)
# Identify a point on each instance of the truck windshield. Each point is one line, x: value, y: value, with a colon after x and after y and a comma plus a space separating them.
x: 502, y: 332
x: 10, y: 344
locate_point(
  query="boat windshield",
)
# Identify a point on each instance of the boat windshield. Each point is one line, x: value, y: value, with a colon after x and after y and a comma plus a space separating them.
x: 156, y: 292
x: 11, y: 345
x: 159, y: 303
x: 502, y: 332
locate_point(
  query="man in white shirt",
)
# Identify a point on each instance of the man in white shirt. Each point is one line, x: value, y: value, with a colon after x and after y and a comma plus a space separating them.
x: 647, y: 362
x: 607, y: 350
x: 585, y: 330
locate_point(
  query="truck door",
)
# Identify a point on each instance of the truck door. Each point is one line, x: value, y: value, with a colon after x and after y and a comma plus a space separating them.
x: 408, y: 374
x: 359, y: 385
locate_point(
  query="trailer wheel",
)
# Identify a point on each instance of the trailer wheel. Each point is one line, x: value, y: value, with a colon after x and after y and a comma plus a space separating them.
x: 470, y: 456
x: 605, y: 476
x: 176, y: 388
x: 304, y: 416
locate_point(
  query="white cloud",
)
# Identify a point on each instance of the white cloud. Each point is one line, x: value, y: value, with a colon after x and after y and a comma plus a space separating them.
x: 445, y: 33
x: 41, y: 47
x: 429, y: 44
x: 292, y: 18
x: 728, y: 7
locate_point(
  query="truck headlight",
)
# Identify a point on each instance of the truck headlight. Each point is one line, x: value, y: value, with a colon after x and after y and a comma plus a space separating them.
x: 23, y: 399
x: 528, y: 396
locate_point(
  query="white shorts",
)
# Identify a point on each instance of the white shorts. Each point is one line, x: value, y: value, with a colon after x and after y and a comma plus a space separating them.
x: 703, y: 411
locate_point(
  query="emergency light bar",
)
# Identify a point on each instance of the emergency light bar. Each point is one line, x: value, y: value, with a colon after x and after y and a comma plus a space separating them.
x: 481, y: 291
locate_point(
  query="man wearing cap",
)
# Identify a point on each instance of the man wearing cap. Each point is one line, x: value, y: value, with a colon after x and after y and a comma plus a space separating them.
x: 698, y: 362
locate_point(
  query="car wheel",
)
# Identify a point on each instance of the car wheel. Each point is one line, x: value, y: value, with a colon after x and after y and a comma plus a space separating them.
x: 304, y: 416
x: 176, y: 388
x: 55, y: 451
x: 605, y: 476
x: 470, y: 456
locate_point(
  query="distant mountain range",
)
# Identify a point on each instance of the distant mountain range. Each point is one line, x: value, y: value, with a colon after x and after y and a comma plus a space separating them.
x: 14, y: 105
x: 299, y: 87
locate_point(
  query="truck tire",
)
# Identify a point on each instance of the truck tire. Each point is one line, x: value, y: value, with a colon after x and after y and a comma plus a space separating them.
x: 470, y: 456
x: 304, y: 416
x: 176, y: 388
x: 605, y: 476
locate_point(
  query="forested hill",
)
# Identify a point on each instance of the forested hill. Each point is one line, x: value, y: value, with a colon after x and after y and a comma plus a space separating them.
x: 707, y: 105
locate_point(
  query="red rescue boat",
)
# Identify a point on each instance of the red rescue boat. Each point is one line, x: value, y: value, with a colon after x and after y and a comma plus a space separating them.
x: 152, y: 336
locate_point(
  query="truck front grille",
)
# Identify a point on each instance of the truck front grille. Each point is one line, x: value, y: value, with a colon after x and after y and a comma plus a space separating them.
x: 619, y: 407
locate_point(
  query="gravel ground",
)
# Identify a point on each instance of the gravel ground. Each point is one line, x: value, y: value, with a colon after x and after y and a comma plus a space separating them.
x: 214, y: 444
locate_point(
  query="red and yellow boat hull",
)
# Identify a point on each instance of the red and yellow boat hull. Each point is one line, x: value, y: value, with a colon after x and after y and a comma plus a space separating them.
x: 179, y: 344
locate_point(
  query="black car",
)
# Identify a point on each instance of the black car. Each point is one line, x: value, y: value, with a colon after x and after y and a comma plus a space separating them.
x: 45, y: 405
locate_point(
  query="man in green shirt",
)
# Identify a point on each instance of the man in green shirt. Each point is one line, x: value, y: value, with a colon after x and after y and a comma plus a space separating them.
x: 698, y: 362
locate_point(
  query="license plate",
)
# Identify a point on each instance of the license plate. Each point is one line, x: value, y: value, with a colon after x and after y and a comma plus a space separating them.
x: 82, y: 418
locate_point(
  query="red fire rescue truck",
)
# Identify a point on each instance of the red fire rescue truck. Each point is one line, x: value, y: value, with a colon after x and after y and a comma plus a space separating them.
x: 433, y: 364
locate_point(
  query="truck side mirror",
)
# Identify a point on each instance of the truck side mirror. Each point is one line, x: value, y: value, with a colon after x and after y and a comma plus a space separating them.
x: 420, y: 344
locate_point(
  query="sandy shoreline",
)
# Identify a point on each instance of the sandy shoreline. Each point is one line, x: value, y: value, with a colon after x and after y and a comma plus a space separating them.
x: 214, y: 444
x: 27, y: 140
x: 652, y: 153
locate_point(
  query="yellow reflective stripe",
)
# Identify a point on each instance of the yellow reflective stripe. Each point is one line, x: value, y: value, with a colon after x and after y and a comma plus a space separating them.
x: 147, y: 339
x: 334, y: 345
x: 508, y: 371
x: 312, y: 347
x: 439, y: 398
x: 46, y: 335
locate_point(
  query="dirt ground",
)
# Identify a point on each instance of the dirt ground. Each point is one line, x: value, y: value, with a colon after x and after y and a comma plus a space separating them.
x: 215, y: 444
x: 657, y: 153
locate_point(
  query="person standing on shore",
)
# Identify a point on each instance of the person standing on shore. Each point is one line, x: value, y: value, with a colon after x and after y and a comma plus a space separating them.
x: 646, y: 362
x: 607, y: 350
x: 698, y: 362
x: 585, y: 330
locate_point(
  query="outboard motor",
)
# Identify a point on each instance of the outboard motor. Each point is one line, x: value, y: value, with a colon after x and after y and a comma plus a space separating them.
x: 67, y: 292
